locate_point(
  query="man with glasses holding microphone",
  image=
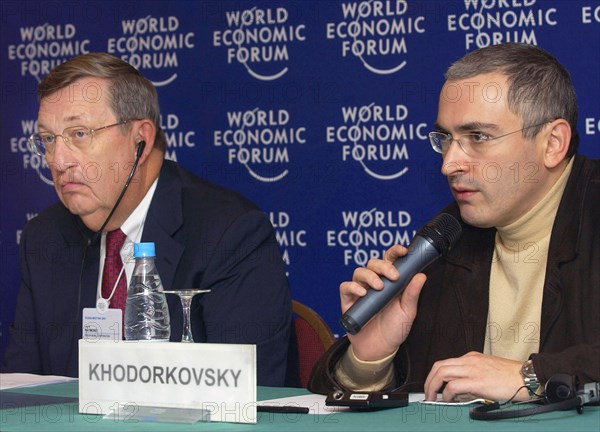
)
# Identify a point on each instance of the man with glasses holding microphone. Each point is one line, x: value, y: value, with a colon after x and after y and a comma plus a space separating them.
x: 515, y: 301
x: 99, y: 130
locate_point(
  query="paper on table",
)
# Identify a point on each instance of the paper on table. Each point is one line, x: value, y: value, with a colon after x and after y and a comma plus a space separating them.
x: 316, y: 403
x: 462, y: 401
x: 12, y: 380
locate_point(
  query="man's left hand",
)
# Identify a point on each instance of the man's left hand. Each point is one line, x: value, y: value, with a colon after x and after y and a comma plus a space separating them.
x: 478, y: 375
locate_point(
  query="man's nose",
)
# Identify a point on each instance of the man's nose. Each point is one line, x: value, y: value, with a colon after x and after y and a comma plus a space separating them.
x: 61, y: 157
x: 453, y: 159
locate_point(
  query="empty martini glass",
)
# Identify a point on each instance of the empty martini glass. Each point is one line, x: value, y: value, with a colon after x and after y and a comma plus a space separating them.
x: 186, y: 295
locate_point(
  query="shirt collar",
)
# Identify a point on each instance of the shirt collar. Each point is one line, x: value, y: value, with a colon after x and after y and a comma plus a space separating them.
x: 134, y: 224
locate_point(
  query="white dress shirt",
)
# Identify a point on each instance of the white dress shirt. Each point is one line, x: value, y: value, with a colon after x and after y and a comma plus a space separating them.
x: 133, y: 228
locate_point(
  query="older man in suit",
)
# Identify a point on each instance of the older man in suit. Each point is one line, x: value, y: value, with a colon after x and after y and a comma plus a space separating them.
x: 98, y: 118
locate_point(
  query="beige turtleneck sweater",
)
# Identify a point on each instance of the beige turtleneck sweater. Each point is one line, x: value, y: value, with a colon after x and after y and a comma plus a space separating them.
x: 517, y: 278
x: 515, y: 294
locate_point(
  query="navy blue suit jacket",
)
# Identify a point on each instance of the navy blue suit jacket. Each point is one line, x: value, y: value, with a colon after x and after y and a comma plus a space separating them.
x: 205, y: 236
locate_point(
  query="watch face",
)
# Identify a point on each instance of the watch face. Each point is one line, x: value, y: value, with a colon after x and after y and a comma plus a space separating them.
x: 527, y: 370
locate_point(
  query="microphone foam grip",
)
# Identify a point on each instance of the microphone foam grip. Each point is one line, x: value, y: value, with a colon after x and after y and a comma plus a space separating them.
x: 443, y: 231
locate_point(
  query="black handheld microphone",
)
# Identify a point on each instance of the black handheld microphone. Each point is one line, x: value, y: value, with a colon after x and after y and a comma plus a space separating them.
x: 432, y: 241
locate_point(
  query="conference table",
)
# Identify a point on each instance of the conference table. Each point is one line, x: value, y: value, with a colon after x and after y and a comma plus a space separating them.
x: 54, y: 407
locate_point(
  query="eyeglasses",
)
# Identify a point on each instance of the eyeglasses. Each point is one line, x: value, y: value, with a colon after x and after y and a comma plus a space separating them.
x: 79, y: 137
x: 471, y: 143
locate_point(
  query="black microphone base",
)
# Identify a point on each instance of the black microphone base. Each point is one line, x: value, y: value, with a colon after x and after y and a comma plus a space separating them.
x: 350, y: 324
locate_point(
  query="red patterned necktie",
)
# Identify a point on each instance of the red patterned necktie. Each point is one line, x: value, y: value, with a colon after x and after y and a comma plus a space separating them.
x: 112, y: 268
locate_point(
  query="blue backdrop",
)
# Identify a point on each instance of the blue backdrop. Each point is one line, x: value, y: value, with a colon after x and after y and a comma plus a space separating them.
x: 316, y: 110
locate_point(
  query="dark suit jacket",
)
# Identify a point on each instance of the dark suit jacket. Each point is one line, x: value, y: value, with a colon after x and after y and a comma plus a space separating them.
x: 453, y: 305
x: 205, y: 237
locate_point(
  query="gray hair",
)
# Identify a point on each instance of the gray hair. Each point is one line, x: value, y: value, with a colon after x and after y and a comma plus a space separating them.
x: 131, y: 96
x: 540, y: 88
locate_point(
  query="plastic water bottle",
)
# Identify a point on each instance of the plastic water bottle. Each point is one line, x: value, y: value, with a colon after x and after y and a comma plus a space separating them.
x: 146, y: 310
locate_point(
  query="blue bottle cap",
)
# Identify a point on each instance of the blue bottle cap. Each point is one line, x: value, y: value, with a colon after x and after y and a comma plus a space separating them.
x: 143, y: 250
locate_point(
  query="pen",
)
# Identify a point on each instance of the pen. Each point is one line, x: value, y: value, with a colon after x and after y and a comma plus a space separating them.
x: 287, y: 409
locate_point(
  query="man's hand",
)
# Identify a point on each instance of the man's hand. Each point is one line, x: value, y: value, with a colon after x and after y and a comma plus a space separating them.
x: 389, y: 328
x: 477, y: 375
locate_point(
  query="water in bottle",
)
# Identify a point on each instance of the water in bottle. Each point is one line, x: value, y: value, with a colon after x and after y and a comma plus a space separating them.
x: 146, y: 310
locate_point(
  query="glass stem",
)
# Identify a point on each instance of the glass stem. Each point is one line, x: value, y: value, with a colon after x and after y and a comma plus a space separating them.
x: 187, y: 329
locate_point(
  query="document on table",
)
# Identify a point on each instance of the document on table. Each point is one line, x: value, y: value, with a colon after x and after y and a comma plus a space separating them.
x: 13, y: 380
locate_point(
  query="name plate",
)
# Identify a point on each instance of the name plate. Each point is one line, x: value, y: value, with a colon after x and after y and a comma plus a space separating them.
x: 217, y: 378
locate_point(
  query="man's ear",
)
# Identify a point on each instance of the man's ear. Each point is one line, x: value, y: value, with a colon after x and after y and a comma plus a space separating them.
x: 557, y: 144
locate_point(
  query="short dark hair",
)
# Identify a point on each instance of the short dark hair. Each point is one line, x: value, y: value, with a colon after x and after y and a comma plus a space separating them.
x: 540, y: 88
x: 131, y: 96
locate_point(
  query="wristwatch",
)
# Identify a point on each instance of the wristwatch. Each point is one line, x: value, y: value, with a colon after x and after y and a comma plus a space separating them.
x: 530, y: 379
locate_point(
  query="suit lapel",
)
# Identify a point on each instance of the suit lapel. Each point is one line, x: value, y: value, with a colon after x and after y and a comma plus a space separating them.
x: 76, y: 294
x: 564, y: 244
x: 469, y: 271
x: 164, y: 219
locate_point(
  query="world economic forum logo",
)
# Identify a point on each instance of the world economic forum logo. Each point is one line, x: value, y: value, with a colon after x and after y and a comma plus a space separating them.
x: 44, y: 47
x: 260, y: 141
x: 31, y: 161
x: 376, y: 136
x: 375, y: 32
x: 152, y: 43
x: 259, y: 40
x: 40, y: 49
x: 289, y: 236
x: 367, y: 234
x: 486, y: 23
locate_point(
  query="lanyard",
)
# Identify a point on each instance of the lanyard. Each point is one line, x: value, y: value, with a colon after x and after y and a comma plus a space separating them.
x: 103, y: 304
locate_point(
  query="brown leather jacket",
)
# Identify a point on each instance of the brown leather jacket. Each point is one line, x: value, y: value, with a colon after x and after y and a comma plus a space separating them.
x: 453, y: 305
